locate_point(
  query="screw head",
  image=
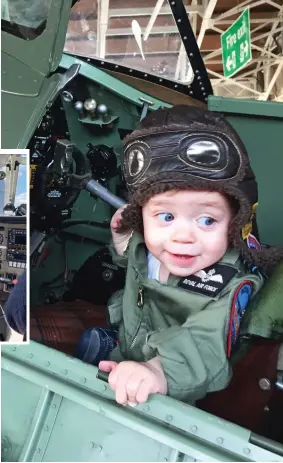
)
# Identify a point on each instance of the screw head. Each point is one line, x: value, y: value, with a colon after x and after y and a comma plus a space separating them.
x: 264, y: 384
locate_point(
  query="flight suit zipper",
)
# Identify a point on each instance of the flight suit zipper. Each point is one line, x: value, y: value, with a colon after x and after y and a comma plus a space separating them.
x: 140, y: 302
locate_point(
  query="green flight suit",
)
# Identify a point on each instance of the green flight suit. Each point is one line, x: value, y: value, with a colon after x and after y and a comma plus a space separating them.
x: 185, y: 326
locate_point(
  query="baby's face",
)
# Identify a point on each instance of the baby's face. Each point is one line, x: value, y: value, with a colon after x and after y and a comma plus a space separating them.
x: 187, y: 230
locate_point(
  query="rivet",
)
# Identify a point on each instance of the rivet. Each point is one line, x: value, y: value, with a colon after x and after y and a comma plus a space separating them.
x: 247, y: 451
x: 30, y: 356
x: 146, y: 408
x: 145, y: 75
x: 14, y: 348
x: 38, y: 450
x: 104, y: 388
x: 219, y: 440
x: 266, y: 408
x: 47, y: 364
x: 264, y: 384
x: 172, y: 3
x: 83, y: 380
x: 185, y: 37
x: 179, y: 20
x: 169, y: 417
x: 46, y: 428
x: 196, y: 72
x: 130, y: 70
x: 93, y: 445
x: 54, y: 406
x: 101, y: 62
x: 65, y: 372
x: 116, y: 66
x: 191, y: 54
x: 194, y: 428
x: 175, y: 86
x: 160, y: 80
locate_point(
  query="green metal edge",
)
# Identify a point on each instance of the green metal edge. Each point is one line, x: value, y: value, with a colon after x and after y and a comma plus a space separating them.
x: 113, y: 84
x: 206, y: 437
x: 245, y: 107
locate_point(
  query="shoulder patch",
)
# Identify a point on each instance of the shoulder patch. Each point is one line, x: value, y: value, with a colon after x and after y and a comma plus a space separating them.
x: 240, y: 302
x: 209, y: 281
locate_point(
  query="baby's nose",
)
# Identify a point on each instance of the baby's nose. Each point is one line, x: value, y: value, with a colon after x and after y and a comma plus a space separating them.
x: 184, y: 235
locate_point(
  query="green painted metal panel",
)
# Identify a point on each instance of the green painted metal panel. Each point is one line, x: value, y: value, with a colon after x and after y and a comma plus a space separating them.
x: 109, y: 82
x: 22, y: 113
x: 65, y: 413
x: 260, y: 125
x: 45, y: 51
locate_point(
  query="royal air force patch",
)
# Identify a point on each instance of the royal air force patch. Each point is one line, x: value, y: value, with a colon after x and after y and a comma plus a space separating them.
x: 210, y: 281
x: 240, y: 302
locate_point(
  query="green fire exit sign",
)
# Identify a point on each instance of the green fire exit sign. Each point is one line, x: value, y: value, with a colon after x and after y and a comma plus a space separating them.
x: 236, y: 45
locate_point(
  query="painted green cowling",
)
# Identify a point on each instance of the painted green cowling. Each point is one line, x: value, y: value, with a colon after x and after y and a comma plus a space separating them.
x: 186, y: 326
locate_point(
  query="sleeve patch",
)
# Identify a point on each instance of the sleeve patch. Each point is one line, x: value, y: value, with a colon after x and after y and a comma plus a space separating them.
x: 240, y: 302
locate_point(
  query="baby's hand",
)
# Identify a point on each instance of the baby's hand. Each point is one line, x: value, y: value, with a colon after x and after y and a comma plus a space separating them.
x: 116, y: 219
x: 133, y: 382
x: 120, y: 240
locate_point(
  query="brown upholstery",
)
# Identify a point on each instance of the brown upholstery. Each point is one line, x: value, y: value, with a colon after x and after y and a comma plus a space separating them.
x: 60, y: 325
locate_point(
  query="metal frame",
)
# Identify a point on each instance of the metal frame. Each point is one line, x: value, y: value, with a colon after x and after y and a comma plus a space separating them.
x: 261, y: 79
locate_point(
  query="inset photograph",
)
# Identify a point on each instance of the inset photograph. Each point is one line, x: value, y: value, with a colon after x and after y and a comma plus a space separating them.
x: 13, y: 246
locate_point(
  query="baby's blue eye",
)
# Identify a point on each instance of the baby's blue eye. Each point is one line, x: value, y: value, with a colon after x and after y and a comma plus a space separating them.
x: 207, y: 221
x: 166, y: 216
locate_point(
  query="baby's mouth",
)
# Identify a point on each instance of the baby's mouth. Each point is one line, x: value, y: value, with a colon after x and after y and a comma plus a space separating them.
x: 182, y: 259
x: 182, y: 256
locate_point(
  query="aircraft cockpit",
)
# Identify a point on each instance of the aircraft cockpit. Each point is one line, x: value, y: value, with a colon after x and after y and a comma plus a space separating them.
x: 13, y: 242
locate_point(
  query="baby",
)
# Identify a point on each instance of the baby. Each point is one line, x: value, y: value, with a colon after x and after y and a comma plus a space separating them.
x: 188, y: 239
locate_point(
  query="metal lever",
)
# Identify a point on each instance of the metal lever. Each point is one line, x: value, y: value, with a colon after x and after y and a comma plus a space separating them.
x: 69, y: 75
x: 98, y: 190
x: 65, y: 79
x: 63, y: 156
x: 146, y: 105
